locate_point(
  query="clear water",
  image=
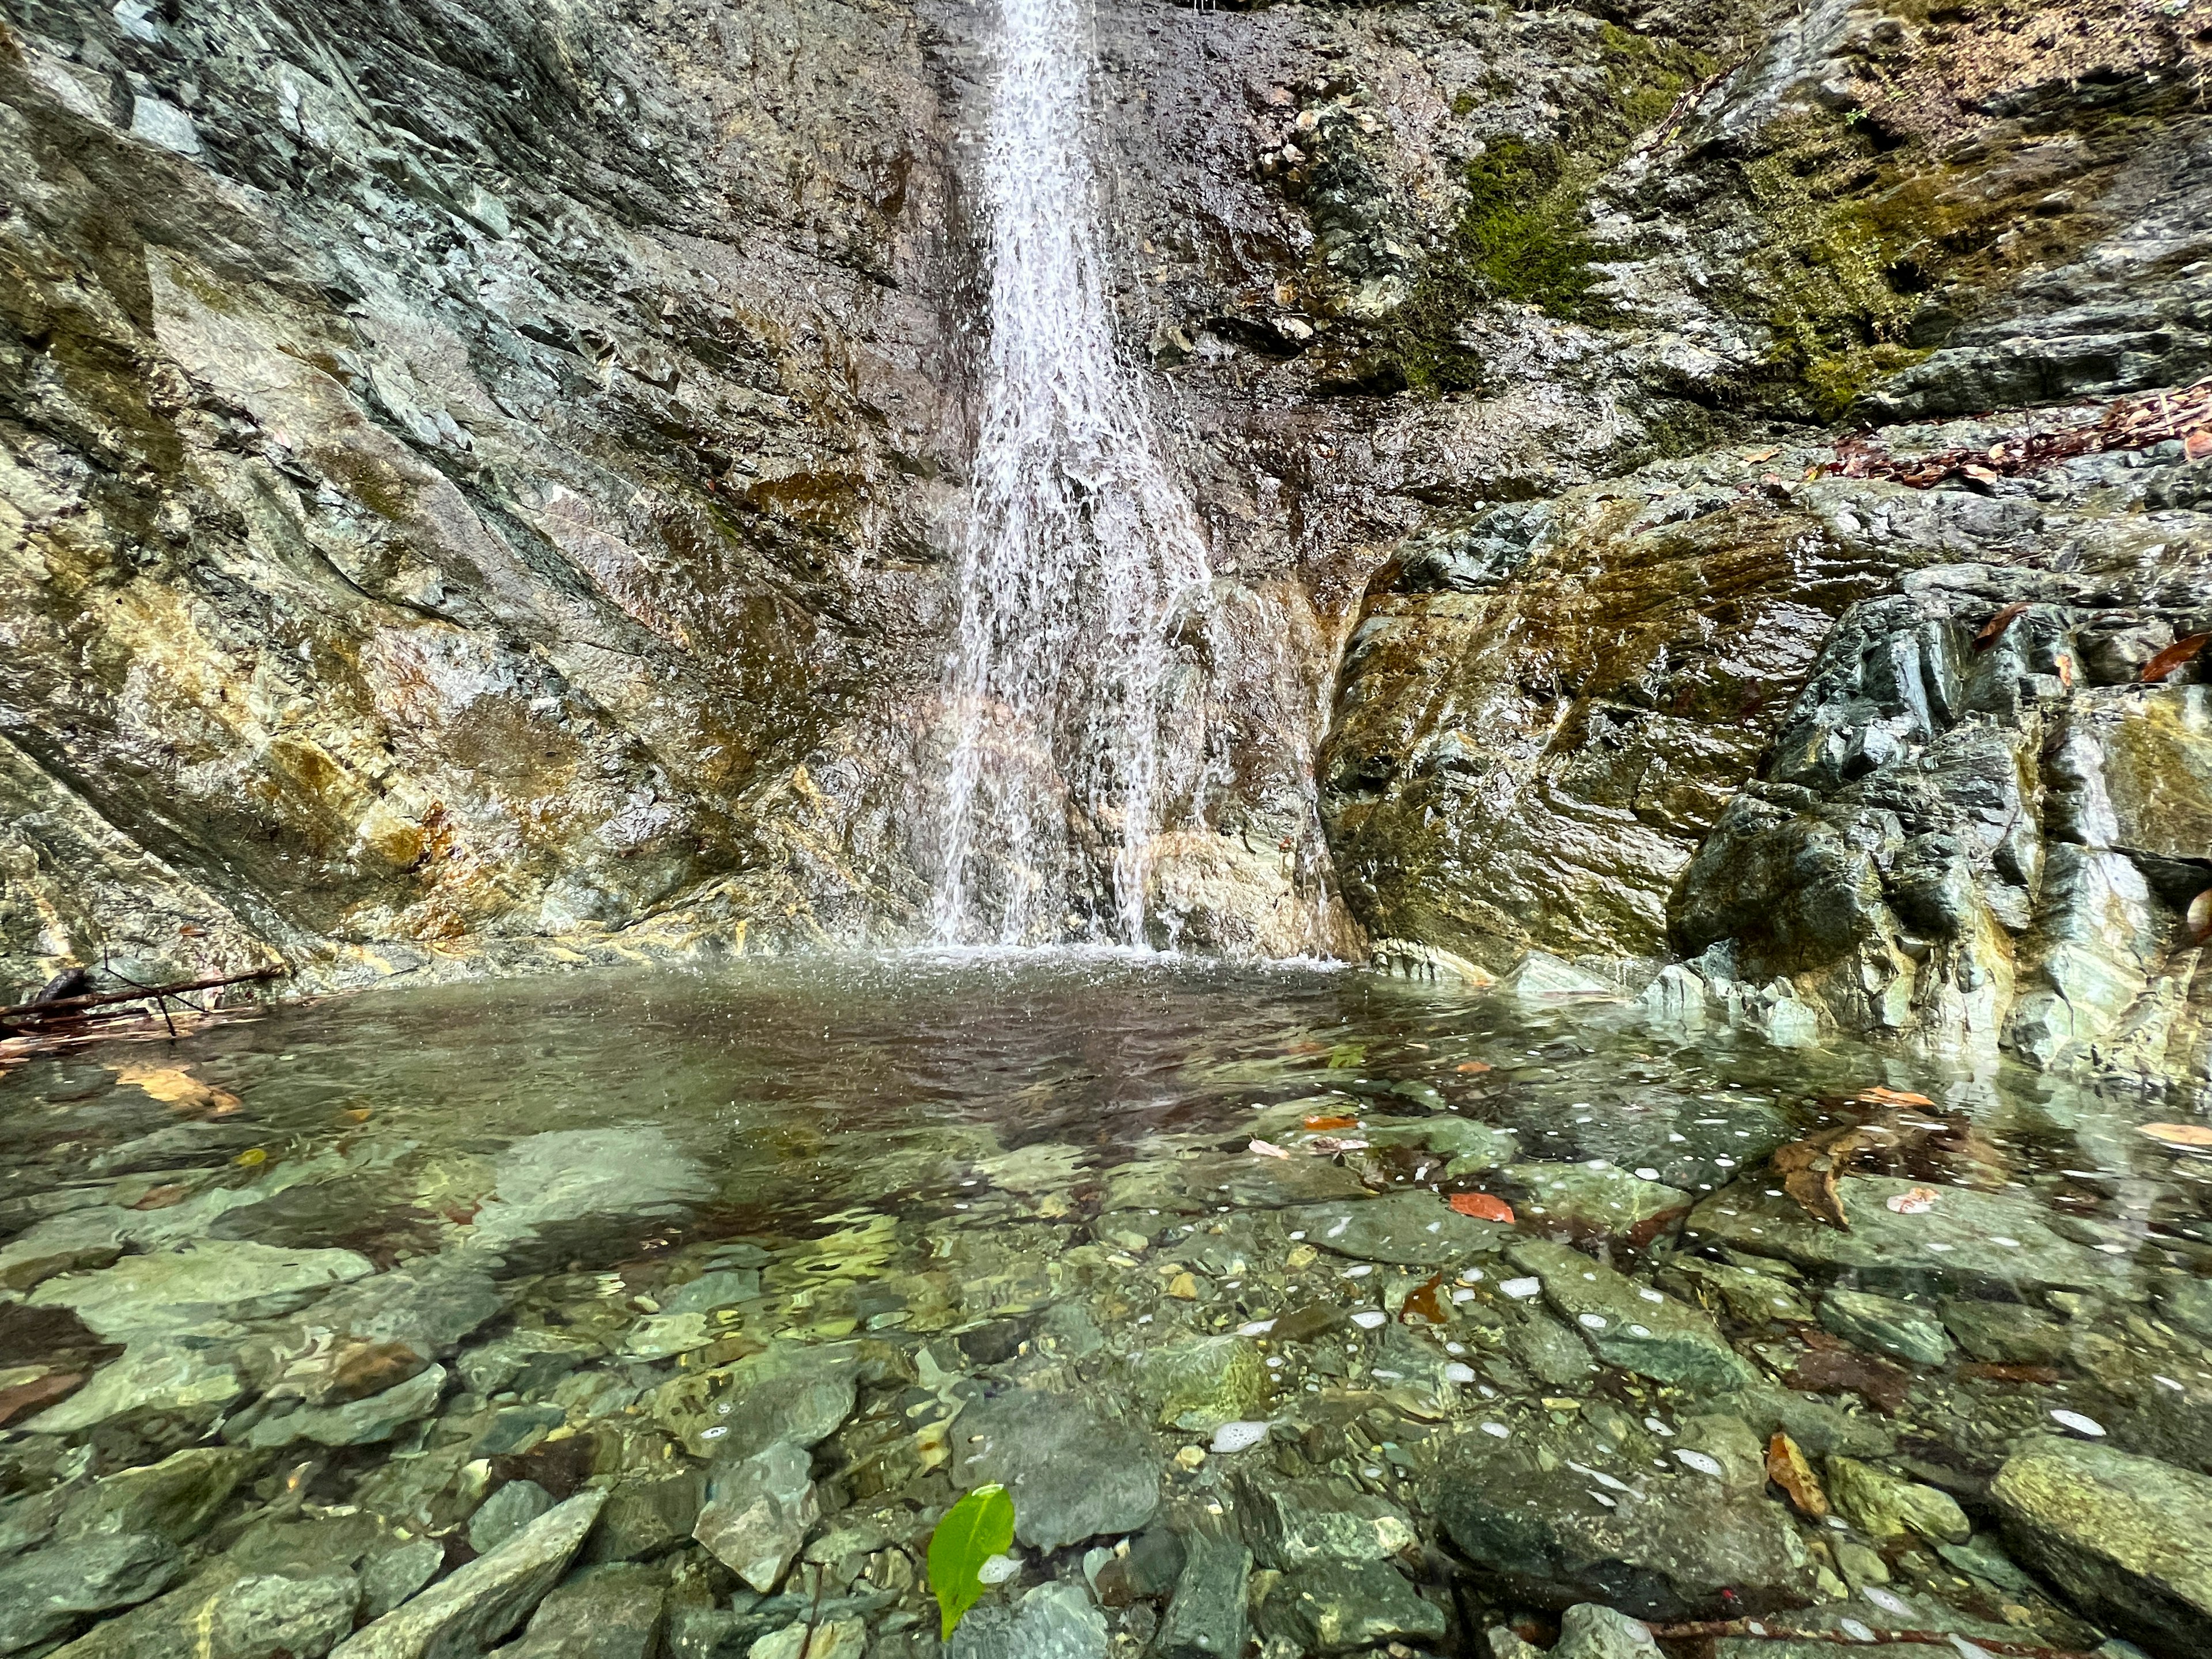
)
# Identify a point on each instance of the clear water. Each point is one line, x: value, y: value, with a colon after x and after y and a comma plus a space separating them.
x: 984, y: 1171
x: 1075, y: 684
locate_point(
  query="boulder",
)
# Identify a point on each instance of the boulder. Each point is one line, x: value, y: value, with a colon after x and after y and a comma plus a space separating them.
x: 1630, y: 1325
x: 757, y: 1513
x: 1405, y: 1230
x: 1073, y: 1473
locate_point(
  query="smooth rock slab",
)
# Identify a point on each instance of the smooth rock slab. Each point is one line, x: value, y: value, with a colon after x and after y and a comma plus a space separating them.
x: 432, y: 1307
x: 1073, y: 1472
x: 792, y: 1393
x: 1206, y: 1616
x: 184, y: 1375
x: 1898, y: 1329
x: 1329, y: 1606
x: 1202, y: 1382
x: 212, y: 1283
x: 1594, y: 1199
x: 174, y: 1499
x: 611, y: 1613
x: 360, y: 1423
x: 2129, y: 1539
x: 227, y: 1613
x: 1629, y: 1326
x: 464, y: 1613
x: 1405, y: 1230
x: 1950, y: 1248
x: 572, y: 1176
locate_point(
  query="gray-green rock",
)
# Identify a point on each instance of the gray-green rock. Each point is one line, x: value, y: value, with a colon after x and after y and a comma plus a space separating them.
x: 174, y: 1499
x: 357, y: 1423
x: 1590, y: 1631
x: 1630, y: 1325
x: 1073, y: 1473
x: 609, y: 1612
x: 1288, y: 1524
x: 391, y: 1577
x: 1331, y: 1606
x: 188, y: 1375
x: 1405, y: 1230
x: 1899, y: 1329
x: 1594, y: 1199
x: 214, y: 1282
x: 41, y: 1593
x: 2006, y: 1333
x: 2129, y: 1539
x: 225, y: 1612
x: 758, y: 1512
x: 792, y: 1393
x: 513, y: 1506
x: 1885, y: 1506
x: 1056, y: 1620
x: 432, y: 1306
x: 1202, y: 1382
x: 1206, y: 1615
x: 478, y: 1603
x: 648, y: 1511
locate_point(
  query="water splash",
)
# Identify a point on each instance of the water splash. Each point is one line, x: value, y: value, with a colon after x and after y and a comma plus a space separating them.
x: 1076, y: 683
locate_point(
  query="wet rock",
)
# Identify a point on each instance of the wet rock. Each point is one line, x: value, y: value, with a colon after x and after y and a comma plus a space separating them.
x: 2129, y: 1539
x: 1886, y: 1508
x: 757, y: 1513
x: 429, y: 1307
x: 1629, y: 1325
x: 1288, y: 1524
x: 174, y: 1499
x: 1202, y: 1382
x: 391, y: 1577
x: 229, y: 1614
x: 507, y: 1512
x: 1595, y: 1200
x: 552, y: 1185
x: 1469, y: 1146
x: 1676, y: 1546
x: 610, y: 1613
x: 1952, y: 1246
x: 360, y: 1423
x: 43, y: 1593
x: 1405, y: 1230
x: 514, y: 1430
x: 186, y: 1375
x: 828, y: 1639
x: 1053, y: 1621
x: 792, y: 1393
x: 1198, y: 1186
x: 2188, y: 1304
x: 1729, y: 1443
x: 1073, y: 1473
x: 1914, y: 1334
x: 1751, y: 1296
x: 482, y: 1600
x: 2006, y: 1333
x: 525, y: 1362
x: 1206, y: 1616
x: 212, y: 1283
x: 1330, y: 1606
x: 1552, y: 1353
x: 724, y: 1288
x: 648, y: 1512
x: 1587, y: 1630
x: 1148, y: 1570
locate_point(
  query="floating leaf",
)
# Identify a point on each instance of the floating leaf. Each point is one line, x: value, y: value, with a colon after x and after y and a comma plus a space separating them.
x: 1763, y: 455
x: 1266, y: 1149
x: 1993, y: 630
x: 1482, y: 1206
x: 1346, y: 1055
x: 1878, y: 1095
x: 2178, y: 1134
x: 174, y: 1087
x: 1326, y: 1122
x: 2181, y: 650
x: 1786, y: 1468
x: 1809, y: 1167
x: 1915, y: 1200
x: 974, y: 1530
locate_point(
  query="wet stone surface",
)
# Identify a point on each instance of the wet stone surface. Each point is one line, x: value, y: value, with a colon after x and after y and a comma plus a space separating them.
x: 598, y: 1320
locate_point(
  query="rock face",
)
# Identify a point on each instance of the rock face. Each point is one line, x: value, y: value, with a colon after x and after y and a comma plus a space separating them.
x: 466, y: 507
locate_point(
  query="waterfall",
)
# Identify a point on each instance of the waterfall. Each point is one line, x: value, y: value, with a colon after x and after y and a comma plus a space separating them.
x: 1075, y: 684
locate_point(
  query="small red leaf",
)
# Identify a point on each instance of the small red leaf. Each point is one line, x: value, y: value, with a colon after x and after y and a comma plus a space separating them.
x: 2181, y: 650
x: 1993, y: 630
x: 1482, y: 1206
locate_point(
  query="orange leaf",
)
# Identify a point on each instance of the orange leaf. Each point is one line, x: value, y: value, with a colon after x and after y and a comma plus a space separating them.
x: 1787, y: 1468
x: 1993, y: 630
x: 1331, y: 1123
x: 2181, y: 650
x: 161, y: 1198
x: 1913, y: 1200
x: 1425, y: 1303
x: 2178, y: 1134
x: 1878, y: 1095
x: 1763, y: 455
x: 1474, y: 1067
x: 1482, y: 1206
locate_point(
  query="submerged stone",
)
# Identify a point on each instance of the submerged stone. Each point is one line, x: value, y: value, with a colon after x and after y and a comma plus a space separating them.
x: 757, y: 1513
x: 1331, y: 1606
x: 210, y: 1282
x: 43, y: 1593
x: 1406, y: 1230
x: 1594, y: 1201
x: 1056, y: 1620
x: 1206, y: 1615
x: 359, y: 1423
x: 1886, y: 1507
x: 1073, y: 1473
x: 2129, y: 1539
x: 187, y: 1374
x: 1632, y: 1327
x: 1898, y: 1329
x: 611, y: 1612
x: 1203, y: 1383
x: 792, y: 1393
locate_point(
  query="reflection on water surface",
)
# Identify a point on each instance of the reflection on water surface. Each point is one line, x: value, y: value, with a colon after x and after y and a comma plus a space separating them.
x: 676, y: 1309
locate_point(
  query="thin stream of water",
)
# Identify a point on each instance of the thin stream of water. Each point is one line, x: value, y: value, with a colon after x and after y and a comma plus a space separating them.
x: 1085, y: 583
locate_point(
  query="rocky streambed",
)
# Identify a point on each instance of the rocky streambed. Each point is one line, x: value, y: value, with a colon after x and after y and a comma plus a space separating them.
x: 667, y: 1317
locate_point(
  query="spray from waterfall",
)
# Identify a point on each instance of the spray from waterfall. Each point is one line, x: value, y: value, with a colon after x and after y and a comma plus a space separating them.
x: 1075, y: 683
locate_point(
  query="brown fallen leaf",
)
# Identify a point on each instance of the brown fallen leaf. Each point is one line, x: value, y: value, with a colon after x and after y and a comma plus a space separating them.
x: 1331, y: 1123
x: 2178, y: 1134
x: 1810, y: 1168
x: 1993, y: 630
x: 174, y: 1087
x: 2180, y: 652
x: 2200, y: 917
x: 2197, y: 444
x: 1998, y: 1371
x: 1787, y: 1468
x: 1763, y: 455
x: 161, y: 1198
x: 1425, y: 1302
x: 1842, y: 1371
x: 1878, y: 1095
x: 1473, y: 1067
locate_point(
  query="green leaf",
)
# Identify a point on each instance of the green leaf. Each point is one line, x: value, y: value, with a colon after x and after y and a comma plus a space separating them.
x: 977, y: 1527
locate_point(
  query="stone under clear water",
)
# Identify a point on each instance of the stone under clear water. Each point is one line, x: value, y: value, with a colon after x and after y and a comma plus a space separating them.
x: 587, y: 1313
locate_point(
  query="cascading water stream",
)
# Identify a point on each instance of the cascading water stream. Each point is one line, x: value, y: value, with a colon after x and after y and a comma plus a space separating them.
x: 1074, y: 684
